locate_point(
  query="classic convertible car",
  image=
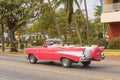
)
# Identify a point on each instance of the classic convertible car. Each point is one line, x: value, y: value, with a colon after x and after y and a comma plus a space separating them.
x: 54, y: 50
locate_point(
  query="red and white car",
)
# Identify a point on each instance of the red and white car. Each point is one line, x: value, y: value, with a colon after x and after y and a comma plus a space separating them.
x: 54, y: 50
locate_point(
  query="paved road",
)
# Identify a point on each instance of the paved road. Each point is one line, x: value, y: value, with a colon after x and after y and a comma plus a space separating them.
x: 15, y: 67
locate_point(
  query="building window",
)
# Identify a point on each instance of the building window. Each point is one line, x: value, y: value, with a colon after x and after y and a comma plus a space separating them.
x: 115, y: 1
x: 116, y: 5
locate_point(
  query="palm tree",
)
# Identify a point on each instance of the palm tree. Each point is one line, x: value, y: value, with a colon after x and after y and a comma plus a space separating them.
x: 54, y: 17
x: 68, y: 7
x: 87, y: 22
x: 97, y: 18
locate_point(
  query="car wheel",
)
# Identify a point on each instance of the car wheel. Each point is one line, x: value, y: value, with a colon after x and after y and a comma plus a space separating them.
x: 66, y: 62
x: 32, y: 59
x: 86, y: 63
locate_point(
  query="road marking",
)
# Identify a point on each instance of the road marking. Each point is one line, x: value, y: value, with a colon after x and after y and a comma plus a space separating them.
x: 54, y: 71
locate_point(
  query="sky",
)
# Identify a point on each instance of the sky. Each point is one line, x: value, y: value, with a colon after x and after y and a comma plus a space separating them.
x: 90, y: 7
x: 91, y: 4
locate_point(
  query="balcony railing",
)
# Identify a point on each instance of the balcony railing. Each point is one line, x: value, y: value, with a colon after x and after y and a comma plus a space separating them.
x: 111, y: 7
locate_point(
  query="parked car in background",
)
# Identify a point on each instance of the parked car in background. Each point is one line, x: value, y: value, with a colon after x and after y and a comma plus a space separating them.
x: 54, y: 50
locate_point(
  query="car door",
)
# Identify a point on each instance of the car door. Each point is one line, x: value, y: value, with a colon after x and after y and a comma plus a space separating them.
x: 45, y: 53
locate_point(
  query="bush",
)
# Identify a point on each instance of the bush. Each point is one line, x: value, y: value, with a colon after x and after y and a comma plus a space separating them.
x: 75, y: 40
x: 102, y: 42
x: 114, y: 44
x: 99, y: 42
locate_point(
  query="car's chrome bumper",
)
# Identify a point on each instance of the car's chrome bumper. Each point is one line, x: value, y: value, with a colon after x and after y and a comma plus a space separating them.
x: 103, y: 56
x: 84, y: 59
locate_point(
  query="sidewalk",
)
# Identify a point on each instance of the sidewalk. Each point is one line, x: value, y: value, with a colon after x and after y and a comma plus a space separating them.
x: 7, y: 51
x: 112, y: 53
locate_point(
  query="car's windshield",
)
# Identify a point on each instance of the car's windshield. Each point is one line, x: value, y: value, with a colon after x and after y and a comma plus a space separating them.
x: 54, y: 41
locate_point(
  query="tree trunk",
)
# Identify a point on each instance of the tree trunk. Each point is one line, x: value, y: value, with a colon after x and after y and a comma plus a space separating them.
x: 103, y: 30
x: 3, y: 47
x: 54, y: 17
x: 13, y: 42
x: 87, y: 22
x: 68, y: 33
x: 78, y: 30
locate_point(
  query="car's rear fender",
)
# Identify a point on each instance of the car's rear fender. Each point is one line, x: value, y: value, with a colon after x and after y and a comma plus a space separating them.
x: 97, y: 53
x: 72, y: 58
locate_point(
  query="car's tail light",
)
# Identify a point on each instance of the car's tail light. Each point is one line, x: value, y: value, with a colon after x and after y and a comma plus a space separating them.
x: 96, y: 54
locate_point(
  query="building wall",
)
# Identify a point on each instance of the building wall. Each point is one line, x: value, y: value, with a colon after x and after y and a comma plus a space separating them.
x: 114, y: 30
x: 111, y: 11
x: 111, y: 15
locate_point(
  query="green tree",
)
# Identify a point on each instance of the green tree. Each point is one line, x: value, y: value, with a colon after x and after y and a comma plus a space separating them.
x: 52, y: 9
x: 97, y: 23
x: 46, y: 23
x: 17, y: 13
x: 80, y: 25
x: 62, y: 20
x: 68, y: 7
x: 2, y: 35
x: 99, y: 28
